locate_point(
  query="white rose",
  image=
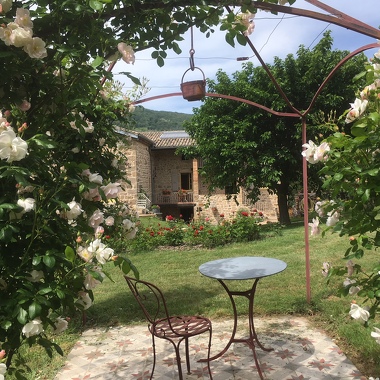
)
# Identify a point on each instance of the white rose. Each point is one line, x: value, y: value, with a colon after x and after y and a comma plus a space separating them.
x: 28, y: 204
x: 12, y: 148
x: 3, y: 370
x: 91, y: 282
x: 85, y: 254
x: 35, y: 48
x: 96, y: 219
x: 109, y: 221
x: 33, y: 328
x: 132, y: 233
x: 358, y: 312
x: 95, y: 178
x: 89, y: 128
x: 84, y: 300
x: 23, y: 18
x: 127, y: 224
x: 60, y: 325
x: 92, y: 195
x: 376, y: 334
x: 103, y: 254
x: 111, y: 190
x: 20, y: 36
x: 75, y: 210
x: 6, y: 5
x: 36, y: 275
x: 6, y: 32
x: 127, y: 53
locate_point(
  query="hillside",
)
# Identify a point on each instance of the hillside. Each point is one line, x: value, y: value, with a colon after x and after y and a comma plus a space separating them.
x: 149, y: 120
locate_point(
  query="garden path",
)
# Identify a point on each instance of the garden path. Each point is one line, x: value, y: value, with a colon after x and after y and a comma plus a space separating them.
x: 300, y: 353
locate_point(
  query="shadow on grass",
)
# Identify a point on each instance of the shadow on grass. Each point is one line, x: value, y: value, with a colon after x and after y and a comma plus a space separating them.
x: 123, y: 309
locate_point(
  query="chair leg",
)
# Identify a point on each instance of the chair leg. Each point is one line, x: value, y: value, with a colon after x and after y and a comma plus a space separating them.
x: 178, y: 357
x: 187, y: 355
x: 208, y: 354
x: 154, y: 356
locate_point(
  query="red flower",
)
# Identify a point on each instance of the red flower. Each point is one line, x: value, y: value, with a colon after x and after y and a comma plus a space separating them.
x: 244, y: 213
x: 201, y: 228
x: 254, y: 210
x: 169, y: 217
x: 151, y: 233
x: 221, y: 215
x: 107, y: 237
x: 260, y: 213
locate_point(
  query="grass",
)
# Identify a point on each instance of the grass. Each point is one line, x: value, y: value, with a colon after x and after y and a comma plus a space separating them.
x: 187, y: 291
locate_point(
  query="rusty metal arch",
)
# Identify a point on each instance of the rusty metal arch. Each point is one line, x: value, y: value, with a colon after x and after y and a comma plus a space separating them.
x: 340, y: 19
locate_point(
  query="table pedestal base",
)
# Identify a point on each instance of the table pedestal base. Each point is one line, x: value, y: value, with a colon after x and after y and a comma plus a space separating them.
x: 252, y: 341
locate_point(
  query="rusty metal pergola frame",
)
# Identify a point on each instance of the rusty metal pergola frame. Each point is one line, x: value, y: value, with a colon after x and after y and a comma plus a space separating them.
x: 335, y: 17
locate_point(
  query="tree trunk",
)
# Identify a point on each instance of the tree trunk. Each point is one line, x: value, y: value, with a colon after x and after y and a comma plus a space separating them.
x: 282, y: 195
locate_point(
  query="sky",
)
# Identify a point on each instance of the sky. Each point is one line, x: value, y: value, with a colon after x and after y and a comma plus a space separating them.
x: 274, y: 35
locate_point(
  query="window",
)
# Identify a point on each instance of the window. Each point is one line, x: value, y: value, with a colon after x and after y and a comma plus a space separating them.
x: 231, y: 189
x: 186, y: 181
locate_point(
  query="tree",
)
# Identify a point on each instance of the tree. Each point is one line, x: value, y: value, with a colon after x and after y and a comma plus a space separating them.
x: 251, y: 148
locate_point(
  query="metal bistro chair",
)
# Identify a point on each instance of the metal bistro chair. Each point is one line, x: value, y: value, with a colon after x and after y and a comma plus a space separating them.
x: 175, y: 329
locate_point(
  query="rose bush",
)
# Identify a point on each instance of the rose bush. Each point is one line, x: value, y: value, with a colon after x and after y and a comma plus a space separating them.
x: 60, y: 176
x: 351, y: 172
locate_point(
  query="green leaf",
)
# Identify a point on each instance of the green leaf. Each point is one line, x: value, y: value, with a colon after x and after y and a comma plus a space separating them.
x: 96, y: 5
x: 36, y: 260
x: 5, y: 325
x: 338, y: 176
x: 60, y: 294
x: 359, y: 129
x: 22, y: 316
x: 241, y: 39
x: 58, y: 348
x: 9, y: 206
x: 160, y: 61
x: 70, y: 254
x: 230, y: 39
x: 45, y: 290
x: 125, y: 267
x: 97, y: 62
x: 49, y: 261
x: 34, y: 310
x: 359, y: 253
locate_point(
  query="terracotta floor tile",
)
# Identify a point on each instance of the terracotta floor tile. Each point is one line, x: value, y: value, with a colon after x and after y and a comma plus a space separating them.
x: 300, y: 353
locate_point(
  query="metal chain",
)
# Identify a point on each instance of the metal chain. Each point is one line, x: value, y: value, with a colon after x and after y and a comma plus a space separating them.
x: 192, y: 51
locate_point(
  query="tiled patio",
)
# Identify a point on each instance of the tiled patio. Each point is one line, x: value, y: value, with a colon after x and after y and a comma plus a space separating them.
x: 300, y: 353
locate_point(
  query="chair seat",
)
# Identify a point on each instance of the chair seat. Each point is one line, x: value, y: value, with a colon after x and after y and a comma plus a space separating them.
x: 181, y: 326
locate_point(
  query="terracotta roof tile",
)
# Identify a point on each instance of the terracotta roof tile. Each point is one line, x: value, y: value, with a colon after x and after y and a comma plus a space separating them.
x: 168, y: 139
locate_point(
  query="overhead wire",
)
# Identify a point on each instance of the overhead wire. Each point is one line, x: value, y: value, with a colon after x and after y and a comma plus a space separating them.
x: 239, y: 58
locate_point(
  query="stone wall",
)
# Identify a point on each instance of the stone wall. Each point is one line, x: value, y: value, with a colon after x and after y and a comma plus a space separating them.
x: 153, y: 171
x: 138, y: 173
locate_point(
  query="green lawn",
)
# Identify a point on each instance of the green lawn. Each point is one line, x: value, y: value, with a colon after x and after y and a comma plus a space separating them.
x: 188, y: 292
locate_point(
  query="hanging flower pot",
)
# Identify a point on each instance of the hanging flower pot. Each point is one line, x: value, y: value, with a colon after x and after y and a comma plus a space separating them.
x: 194, y: 90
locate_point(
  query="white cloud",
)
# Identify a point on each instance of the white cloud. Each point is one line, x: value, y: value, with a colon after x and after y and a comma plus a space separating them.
x: 274, y: 35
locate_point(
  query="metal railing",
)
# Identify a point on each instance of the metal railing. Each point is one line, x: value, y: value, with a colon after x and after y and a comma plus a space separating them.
x: 175, y: 197
x: 143, y: 201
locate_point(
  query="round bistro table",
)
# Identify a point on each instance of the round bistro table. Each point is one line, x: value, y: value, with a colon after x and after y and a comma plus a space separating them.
x: 242, y: 268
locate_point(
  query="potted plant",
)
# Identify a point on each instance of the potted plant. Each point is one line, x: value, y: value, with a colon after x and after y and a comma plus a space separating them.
x: 166, y: 192
x: 155, y: 209
x: 182, y: 195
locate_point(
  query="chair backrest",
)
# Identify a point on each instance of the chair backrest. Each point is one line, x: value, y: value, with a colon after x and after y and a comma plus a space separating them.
x: 150, y: 299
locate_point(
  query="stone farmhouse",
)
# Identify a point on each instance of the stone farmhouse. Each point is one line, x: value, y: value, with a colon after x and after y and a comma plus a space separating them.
x: 160, y: 176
